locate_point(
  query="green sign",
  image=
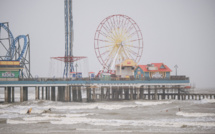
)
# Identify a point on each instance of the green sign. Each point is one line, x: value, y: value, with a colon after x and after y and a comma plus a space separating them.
x: 9, y: 74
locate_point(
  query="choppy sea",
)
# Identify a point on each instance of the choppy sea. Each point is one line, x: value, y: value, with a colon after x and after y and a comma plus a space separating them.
x: 138, y: 116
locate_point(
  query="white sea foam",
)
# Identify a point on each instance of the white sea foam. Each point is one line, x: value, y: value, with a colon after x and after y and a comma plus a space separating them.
x: 195, y: 114
x: 207, y: 101
x: 112, y: 107
x: 4, y: 106
x: 114, y: 122
x: 47, y: 118
x: 84, y: 119
x: 66, y: 115
x: 91, y: 106
x: 12, y: 121
x: 151, y: 103
x: 9, y: 116
x: 42, y: 119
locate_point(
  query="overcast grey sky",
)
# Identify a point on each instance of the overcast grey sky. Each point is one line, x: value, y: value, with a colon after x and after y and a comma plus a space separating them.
x: 178, y: 32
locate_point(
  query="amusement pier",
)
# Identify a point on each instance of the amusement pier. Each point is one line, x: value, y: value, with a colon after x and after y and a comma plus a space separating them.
x: 118, y: 45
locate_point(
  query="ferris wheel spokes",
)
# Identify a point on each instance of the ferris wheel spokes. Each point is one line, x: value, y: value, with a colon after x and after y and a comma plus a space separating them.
x: 117, y: 38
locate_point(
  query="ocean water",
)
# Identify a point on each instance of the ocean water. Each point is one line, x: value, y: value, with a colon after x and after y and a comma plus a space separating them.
x: 137, y: 116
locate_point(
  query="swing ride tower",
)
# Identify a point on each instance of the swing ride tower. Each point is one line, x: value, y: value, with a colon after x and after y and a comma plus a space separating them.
x: 68, y: 58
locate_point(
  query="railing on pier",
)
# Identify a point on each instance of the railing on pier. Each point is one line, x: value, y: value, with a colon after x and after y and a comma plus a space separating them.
x: 183, y: 77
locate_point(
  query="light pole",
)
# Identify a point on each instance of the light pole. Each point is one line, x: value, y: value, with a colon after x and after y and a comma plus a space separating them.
x: 76, y: 65
x: 176, y: 66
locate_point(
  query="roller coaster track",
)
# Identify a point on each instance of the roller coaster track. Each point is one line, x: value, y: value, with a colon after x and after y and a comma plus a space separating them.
x: 10, y: 54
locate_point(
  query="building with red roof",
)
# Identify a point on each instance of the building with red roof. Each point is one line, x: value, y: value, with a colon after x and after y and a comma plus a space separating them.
x: 153, y: 70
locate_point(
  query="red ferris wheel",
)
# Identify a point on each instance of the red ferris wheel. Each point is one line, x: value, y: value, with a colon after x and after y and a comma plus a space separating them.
x: 117, y: 38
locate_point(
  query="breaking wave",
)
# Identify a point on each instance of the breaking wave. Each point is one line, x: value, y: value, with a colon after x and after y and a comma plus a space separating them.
x: 195, y: 114
x: 107, y: 122
x: 151, y: 103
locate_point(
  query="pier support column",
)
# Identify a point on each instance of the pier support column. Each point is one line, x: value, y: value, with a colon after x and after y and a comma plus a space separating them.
x: 66, y: 94
x: 179, y: 92
x: 23, y: 94
x: 108, y: 93
x: 116, y: 95
x: 94, y: 94
x: 61, y: 93
x: 156, y: 94
x: 79, y: 94
x: 6, y: 94
x: 42, y: 93
x: 131, y: 92
x: 141, y: 92
x: 163, y: 95
x: 134, y: 93
x: 88, y: 94
x: 36, y: 93
x: 9, y: 93
x: 120, y: 93
x: 74, y: 93
x: 144, y: 95
x: 47, y: 93
x: 112, y: 92
x: 13, y: 95
x: 149, y: 94
x: 53, y: 93
x: 138, y: 93
x: 102, y: 93
x: 126, y: 91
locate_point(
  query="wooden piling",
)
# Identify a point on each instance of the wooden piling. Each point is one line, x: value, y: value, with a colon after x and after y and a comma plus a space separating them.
x: 61, y: 93
x: 13, y: 95
x: 21, y: 94
x: 42, y: 93
x: 79, y: 94
x: 94, y: 94
x: 131, y: 92
x: 66, y: 94
x: 25, y: 93
x: 6, y: 94
x: 36, y: 93
x: 47, y: 93
x: 108, y: 93
x: 102, y: 93
x: 163, y: 95
x: 179, y: 92
x: 149, y: 94
x: 156, y: 94
x: 126, y: 91
x: 89, y: 94
x: 53, y: 93
x: 74, y: 94
x: 141, y: 92
x: 120, y: 93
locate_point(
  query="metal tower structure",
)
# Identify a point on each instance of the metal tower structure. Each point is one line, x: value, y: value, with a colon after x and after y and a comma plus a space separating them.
x: 68, y: 59
x: 68, y: 36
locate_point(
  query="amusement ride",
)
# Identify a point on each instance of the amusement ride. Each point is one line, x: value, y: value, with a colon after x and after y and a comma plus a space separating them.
x: 117, y: 38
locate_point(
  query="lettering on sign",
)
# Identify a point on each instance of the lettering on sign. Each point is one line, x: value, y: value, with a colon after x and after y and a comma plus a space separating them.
x: 8, y: 74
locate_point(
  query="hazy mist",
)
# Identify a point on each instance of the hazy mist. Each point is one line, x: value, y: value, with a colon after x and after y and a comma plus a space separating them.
x: 174, y: 32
